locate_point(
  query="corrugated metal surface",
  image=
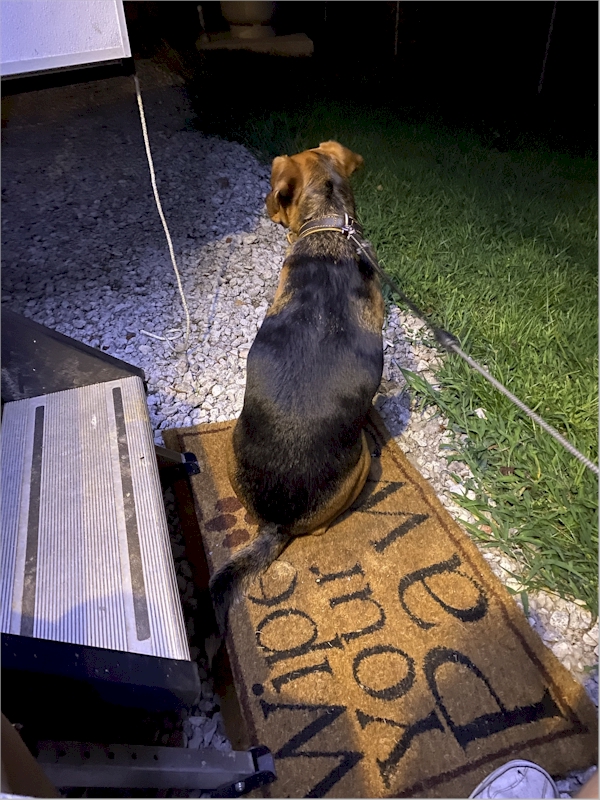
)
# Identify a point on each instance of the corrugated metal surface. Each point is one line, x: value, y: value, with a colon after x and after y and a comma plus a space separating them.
x: 86, y: 556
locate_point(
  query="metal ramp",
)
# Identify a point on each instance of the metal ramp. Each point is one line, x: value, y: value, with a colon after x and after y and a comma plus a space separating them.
x: 86, y: 556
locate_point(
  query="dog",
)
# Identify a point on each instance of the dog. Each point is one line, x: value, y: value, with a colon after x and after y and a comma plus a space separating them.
x: 298, y: 455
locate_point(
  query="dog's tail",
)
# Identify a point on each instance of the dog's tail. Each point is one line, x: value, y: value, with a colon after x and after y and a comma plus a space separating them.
x: 228, y: 583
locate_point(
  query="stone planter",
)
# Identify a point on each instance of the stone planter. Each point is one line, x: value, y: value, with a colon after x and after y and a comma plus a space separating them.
x: 249, y: 19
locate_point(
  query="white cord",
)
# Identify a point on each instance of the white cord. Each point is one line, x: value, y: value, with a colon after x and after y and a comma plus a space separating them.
x: 449, y: 342
x: 176, y: 331
x: 541, y: 83
x: 530, y: 413
x: 166, y: 228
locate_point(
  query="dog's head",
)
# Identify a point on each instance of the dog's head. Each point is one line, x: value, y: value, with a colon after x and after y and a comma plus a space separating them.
x: 305, y: 176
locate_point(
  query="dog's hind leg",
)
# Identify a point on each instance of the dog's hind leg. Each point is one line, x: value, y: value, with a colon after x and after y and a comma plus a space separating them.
x: 373, y: 433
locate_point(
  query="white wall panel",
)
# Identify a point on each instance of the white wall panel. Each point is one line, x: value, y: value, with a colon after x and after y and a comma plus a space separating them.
x: 38, y: 35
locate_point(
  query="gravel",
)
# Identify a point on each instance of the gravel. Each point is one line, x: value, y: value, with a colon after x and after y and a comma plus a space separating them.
x: 84, y: 253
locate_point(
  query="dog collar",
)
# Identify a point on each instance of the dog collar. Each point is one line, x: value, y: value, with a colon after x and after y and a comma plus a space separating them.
x: 345, y: 225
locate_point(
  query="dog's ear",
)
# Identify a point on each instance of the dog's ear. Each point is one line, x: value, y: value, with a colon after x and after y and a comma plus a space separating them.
x: 345, y: 159
x: 285, y: 185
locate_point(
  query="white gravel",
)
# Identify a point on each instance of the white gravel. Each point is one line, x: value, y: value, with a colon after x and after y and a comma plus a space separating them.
x: 84, y: 253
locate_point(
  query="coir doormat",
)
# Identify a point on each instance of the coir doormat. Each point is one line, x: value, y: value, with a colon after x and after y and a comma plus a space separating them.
x: 384, y: 658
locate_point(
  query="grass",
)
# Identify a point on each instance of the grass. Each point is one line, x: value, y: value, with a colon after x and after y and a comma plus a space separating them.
x: 501, y: 249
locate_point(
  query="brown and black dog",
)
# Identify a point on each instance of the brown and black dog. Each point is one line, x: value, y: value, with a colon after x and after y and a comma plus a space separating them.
x: 299, y: 455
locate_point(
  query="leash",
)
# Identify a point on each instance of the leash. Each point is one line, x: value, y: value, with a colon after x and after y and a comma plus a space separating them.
x: 353, y: 232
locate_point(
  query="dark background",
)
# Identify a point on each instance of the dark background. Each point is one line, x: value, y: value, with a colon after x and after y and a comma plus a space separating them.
x: 475, y: 64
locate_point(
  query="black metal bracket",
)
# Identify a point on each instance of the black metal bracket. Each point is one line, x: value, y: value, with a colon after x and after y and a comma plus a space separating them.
x: 264, y: 774
x: 191, y: 464
x: 173, y: 458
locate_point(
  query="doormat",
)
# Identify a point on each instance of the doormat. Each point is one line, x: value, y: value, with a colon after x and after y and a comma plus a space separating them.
x: 384, y: 658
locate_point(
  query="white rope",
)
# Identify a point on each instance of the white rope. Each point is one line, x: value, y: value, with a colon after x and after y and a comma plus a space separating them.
x: 450, y: 343
x: 535, y: 417
x: 177, y: 331
x: 541, y: 83
x: 166, y: 228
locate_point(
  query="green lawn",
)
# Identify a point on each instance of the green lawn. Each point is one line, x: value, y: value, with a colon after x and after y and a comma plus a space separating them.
x: 501, y: 249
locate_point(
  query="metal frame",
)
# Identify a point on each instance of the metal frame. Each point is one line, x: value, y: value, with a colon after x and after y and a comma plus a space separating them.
x: 218, y: 773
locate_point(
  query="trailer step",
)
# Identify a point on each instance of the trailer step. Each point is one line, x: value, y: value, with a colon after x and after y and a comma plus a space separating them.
x: 219, y: 774
x: 86, y: 555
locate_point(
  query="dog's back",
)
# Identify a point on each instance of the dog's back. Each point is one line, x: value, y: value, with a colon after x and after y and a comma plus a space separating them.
x: 312, y: 372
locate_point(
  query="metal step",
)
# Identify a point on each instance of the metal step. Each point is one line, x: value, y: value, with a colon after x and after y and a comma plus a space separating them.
x: 86, y: 556
x: 220, y: 774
